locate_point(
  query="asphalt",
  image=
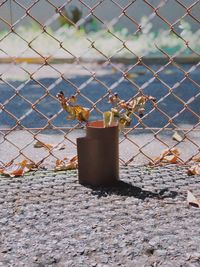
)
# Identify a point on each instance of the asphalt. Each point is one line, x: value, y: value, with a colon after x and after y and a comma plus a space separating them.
x: 19, y: 92
x: 49, y: 219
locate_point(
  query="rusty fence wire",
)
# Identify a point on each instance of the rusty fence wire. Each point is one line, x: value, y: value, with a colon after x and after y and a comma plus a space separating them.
x: 91, y: 49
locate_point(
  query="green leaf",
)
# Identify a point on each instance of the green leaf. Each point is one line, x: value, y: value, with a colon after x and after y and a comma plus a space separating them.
x: 108, y: 118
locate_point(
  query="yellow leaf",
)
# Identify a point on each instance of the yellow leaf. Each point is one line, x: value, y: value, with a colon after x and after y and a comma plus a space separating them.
x: 72, y: 99
x: 192, y: 200
x: 75, y: 112
x: 108, y: 118
x: 82, y: 114
x: 124, y: 121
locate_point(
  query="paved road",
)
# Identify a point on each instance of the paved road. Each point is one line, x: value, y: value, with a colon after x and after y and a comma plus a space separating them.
x: 48, y: 219
x: 47, y: 80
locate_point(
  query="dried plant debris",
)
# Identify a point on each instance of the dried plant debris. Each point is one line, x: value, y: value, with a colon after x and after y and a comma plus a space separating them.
x: 122, y: 110
x: 195, y: 169
x: 40, y: 144
x: 18, y: 169
x: 66, y: 164
x: 192, y: 200
x: 168, y: 156
x: 177, y: 137
x: 75, y: 111
x: 196, y: 158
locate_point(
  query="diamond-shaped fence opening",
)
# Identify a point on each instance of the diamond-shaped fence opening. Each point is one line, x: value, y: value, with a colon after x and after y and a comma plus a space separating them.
x: 91, y: 49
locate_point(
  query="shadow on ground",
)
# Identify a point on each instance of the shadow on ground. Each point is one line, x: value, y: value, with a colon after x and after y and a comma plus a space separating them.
x: 122, y: 188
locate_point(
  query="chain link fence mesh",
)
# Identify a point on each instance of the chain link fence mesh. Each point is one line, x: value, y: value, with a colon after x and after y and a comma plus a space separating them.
x: 91, y: 49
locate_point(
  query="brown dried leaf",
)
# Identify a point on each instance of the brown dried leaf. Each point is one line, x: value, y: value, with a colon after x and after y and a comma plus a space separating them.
x: 17, y: 169
x: 168, y: 156
x: 66, y: 164
x: 40, y: 144
x: 192, y: 200
x: 74, y: 159
x: 197, y: 158
x: 195, y: 169
x: 176, y: 136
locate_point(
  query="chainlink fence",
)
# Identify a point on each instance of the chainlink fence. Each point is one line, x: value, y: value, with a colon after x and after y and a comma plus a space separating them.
x: 91, y: 49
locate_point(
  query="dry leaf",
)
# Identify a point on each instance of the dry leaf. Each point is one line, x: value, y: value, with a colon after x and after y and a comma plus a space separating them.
x: 168, y: 156
x: 17, y: 169
x: 40, y: 144
x: 74, y: 159
x: 75, y: 112
x: 197, y: 158
x: 176, y: 136
x: 131, y: 76
x: 82, y: 113
x: 192, y: 200
x: 65, y: 164
x: 194, y: 169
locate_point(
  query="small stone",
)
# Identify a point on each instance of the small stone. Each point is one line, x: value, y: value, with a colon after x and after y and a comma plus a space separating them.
x: 160, y: 252
x: 104, y: 259
x: 154, y: 241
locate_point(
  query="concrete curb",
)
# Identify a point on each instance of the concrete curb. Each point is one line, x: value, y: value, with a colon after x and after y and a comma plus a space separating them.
x: 54, y: 60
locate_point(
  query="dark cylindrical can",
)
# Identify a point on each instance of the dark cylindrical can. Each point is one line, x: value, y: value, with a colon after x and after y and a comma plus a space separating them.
x: 98, y: 155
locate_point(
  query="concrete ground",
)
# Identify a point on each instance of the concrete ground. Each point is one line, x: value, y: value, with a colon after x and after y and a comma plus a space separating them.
x: 140, y: 146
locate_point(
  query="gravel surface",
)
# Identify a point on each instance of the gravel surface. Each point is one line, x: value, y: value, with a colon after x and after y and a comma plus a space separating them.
x: 49, y: 219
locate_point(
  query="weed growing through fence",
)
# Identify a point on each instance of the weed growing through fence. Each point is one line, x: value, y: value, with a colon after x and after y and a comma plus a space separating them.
x: 121, y: 110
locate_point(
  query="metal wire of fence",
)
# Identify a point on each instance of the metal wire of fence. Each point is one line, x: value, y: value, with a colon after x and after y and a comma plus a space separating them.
x: 66, y: 52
